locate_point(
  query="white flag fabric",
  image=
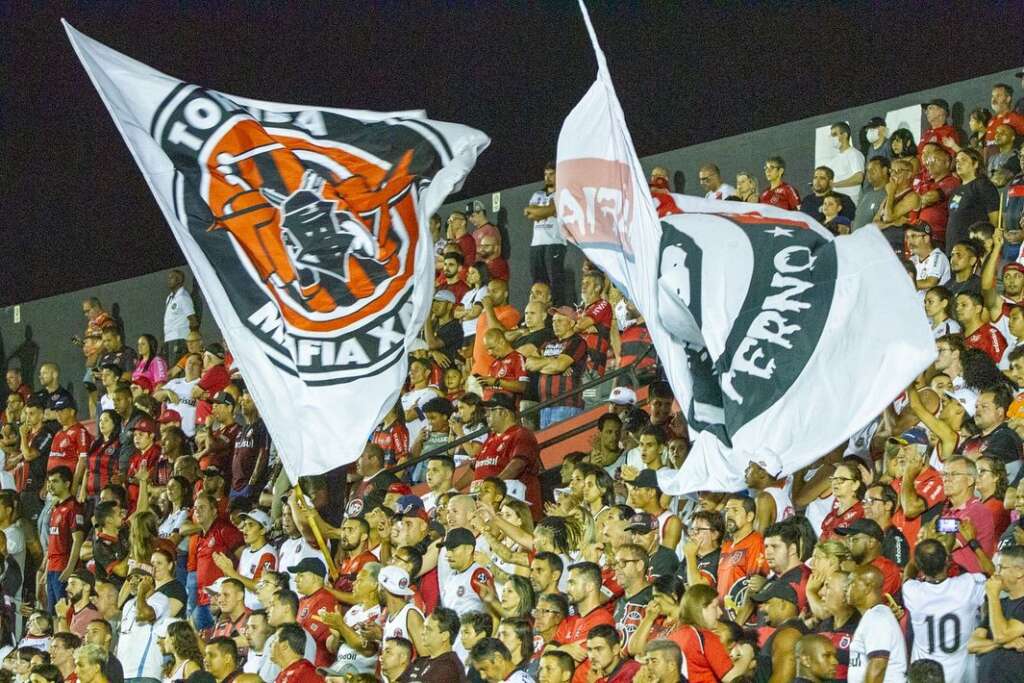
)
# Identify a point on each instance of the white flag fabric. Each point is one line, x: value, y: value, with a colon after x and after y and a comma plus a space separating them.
x: 306, y: 228
x: 779, y: 340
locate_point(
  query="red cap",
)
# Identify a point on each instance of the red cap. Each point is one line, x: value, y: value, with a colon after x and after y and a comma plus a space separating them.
x: 568, y: 311
x: 144, y: 383
x: 400, y: 489
x: 168, y: 416
x: 1013, y: 265
x: 146, y: 425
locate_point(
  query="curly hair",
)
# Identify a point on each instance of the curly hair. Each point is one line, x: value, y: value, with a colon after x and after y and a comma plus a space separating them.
x: 184, y: 644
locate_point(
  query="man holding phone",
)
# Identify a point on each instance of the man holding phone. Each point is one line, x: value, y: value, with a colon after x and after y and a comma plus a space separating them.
x: 958, y: 478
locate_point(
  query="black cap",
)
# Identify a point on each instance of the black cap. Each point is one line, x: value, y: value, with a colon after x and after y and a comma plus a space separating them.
x: 643, y: 522
x: 776, y: 589
x: 501, y: 399
x: 212, y: 472
x: 868, y: 527
x: 312, y: 565
x: 919, y: 226
x: 646, y: 479
x: 937, y: 102
x: 217, y: 349
x: 459, y: 536
x: 38, y: 400
x: 63, y: 402
x: 85, y: 576
x: 875, y: 122
x: 223, y: 397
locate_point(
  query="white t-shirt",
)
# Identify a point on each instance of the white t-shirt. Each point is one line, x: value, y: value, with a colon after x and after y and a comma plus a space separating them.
x: 947, y: 326
x: 460, y: 591
x: 935, y: 265
x: 943, y: 616
x: 411, y: 399
x: 16, y: 547
x: 293, y: 551
x: 252, y: 564
x: 724, y: 190
x: 846, y: 164
x: 546, y: 231
x: 136, y: 645
x: 6, y: 478
x: 186, y: 405
x: 469, y: 299
x: 176, y: 312
x: 347, y: 655
x: 878, y: 633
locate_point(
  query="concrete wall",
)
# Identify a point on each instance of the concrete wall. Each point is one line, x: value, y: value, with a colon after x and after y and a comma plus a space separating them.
x: 53, y: 321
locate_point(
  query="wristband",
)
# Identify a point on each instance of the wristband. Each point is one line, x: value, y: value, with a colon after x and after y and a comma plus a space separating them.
x: 973, y: 544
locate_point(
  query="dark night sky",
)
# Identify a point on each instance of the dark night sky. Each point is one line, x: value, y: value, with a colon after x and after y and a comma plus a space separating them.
x: 77, y: 211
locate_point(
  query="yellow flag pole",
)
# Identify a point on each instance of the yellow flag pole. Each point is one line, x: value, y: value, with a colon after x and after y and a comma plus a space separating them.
x: 311, y: 520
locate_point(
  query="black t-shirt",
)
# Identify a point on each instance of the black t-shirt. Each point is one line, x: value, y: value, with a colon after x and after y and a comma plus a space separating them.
x: 811, y: 205
x: 174, y: 589
x: 706, y: 565
x: 446, y: 668
x: 61, y: 392
x: 37, y: 468
x: 538, y: 338
x: 450, y: 334
x: 1002, y: 443
x: 764, y: 656
x: 106, y: 552
x: 664, y: 562
x: 630, y: 610
x: 1002, y: 664
x: 971, y: 284
x: 895, y: 547
x: 970, y: 203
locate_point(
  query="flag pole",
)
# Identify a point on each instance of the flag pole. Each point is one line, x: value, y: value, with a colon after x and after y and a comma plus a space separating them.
x: 311, y: 520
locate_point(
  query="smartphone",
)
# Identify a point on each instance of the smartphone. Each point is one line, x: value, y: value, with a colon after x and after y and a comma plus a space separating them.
x: 948, y: 525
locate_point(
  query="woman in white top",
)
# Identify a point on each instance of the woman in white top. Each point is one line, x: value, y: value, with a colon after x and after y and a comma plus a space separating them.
x: 182, y: 644
x: 178, y: 496
x: 471, y: 305
x: 936, y: 307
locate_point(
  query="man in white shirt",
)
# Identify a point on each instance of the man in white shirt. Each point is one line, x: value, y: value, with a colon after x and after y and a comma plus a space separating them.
x: 930, y: 263
x: 848, y: 162
x: 177, y: 393
x: 10, y: 527
x: 943, y: 612
x: 547, y: 247
x: 878, y: 653
x: 137, y: 648
x: 711, y: 180
x: 179, y: 316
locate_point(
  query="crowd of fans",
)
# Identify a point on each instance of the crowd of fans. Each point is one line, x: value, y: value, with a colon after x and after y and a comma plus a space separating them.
x: 162, y: 542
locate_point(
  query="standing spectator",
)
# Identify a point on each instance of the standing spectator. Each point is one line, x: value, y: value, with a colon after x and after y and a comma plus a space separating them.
x: 878, y: 651
x: 142, y: 609
x: 864, y: 539
x: 49, y: 383
x: 746, y: 187
x: 560, y: 367
x: 1003, y: 619
x: 711, y: 181
x: 441, y: 331
x: 179, y: 316
x: 777, y: 603
x: 595, y: 322
x: 939, y: 130
x: 149, y: 365
x: 458, y: 233
x: 116, y: 353
x: 935, y: 191
x: 963, y: 262
x: 977, y: 199
x: 880, y: 504
x: 508, y: 371
x: 309, y: 579
x: 65, y: 535
x: 821, y: 186
x: 452, y: 275
x: 547, y: 247
x: 876, y: 132
x: 978, y: 334
x: 1002, y: 112
x: 872, y: 198
x: 489, y: 254
x: 215, y: 535
x: 847, y: 487
x: 250, y: 453
x: 743, y: 552
x: 848, y: 162
x: 71, y: 441
x: 779, y: 193
x: 477, y: 215
x: 958, y: 477
x: 91, y: 340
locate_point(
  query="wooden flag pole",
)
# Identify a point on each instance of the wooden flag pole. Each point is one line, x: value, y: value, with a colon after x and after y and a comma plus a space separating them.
x: 311, y: 520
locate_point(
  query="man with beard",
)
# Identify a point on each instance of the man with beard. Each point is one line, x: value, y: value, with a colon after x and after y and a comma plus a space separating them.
x: 743, y: 552
x: 777, y: 603
x: 75, y: 610
x: 354, y: 554
x: 864, y: 538
x: 547, y: 246
x: 878, y: 651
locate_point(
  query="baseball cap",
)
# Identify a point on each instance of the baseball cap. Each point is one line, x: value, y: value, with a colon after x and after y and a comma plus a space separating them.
x: 875, y: 122
x: 64, y: 402
x: 500, y: 399
x: 400, y: 488
x: 459, y: 536
x: 223, y: 397
x: 168, y: 416
x: 966, y: 398
x: 937, y: 102
x: 144, y: 383
x: 140, y: 569
x: 1013, y: 265
x: 216, y: 349
x: 772, y: 469
x: 568, y: 311
x: 411, y: 506
x: 516, y: 489
x: 312, y: 565
x: 83, y: 575
x: 643, y: 522
x: 146, y: 425
x: 919, y: 226
x: 212, y: 472
x: 444, y: 295
x: 394, y: 580
x: 916, y: 436
x: 868, y: 527
x: 776, y: 589
x: 647, y: 479
x: 260, y: 517
x: 477, y: 205
x: 216, y: 586
x: 622, y: 396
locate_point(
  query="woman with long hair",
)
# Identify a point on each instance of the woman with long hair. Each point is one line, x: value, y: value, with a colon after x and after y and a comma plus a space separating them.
x: 992, y: 483
x: 848, y: 489
x: 393, y: 436
x: 516, y: 633
x: 178, y: 495
x: 186, y: 655
x: 468, y: 418
x: 937, y: 304
x: 902, y: 146
x: 746, y: 187
x: 143, y: 537
x: 151, y: 364
x: 975, y: 201
x: 471, y: 305
x: 101, y: 460
x: 164, y: 582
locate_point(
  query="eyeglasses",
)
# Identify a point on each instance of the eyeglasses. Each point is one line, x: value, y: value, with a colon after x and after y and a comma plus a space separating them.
x: 869, y: 501
x: 770, y: 167
x: 537, y: 611
x: 950, y: 475
x: 835, y: 479
x: 698, y: 529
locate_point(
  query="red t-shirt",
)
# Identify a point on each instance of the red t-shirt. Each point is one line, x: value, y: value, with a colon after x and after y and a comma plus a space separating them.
x: 309, y: 606
x: 707, y: 660
x: 988, y: 339
x: 783, y: 196
x: 740, y: 559
x: 935, y: 135
x: 1000, y: 515
x: 927, y: 485
x: 892, y: 575
x: 834, y: 520
x: 299, y: 671
x: 599, y: 342
x: 394, y: 441
x: 65, y: 519
x: 512, y: 367
x: 937, y: 215
x: 500, y: 449
x: 350, y: 568
x: 497, y: 267
x: 222, y: 537
x: 151, y: 457
x: 215, y: 379
x: 575, y: 628
x: 458, y: 288
x: 67, y: 445
x: 1010, y: 118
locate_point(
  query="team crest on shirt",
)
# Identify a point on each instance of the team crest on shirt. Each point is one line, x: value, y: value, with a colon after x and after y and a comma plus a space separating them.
x: 310, y: 219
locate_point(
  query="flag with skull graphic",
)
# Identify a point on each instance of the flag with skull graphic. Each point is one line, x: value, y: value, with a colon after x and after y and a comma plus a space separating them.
x: 306, y: 228
x: 780, y: 341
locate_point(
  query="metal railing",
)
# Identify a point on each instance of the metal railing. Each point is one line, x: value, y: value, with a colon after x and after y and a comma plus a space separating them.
x: 631, y: 370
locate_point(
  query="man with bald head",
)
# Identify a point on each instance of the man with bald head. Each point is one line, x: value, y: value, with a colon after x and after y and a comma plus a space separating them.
x: 815, y: 659
x: 878, y: 652
x: 497, y: 314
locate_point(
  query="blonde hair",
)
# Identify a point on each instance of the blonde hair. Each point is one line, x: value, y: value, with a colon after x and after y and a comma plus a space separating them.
x: 695, y: 599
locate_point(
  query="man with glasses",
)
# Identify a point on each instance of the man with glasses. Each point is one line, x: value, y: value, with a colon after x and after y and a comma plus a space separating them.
x: 702, y: 549
x: 995, y: 438
x: 880, y: 504
x: 1002, y: 624
x: 551, y: 610
x: 711, y: 180
x: 630, y: 564
x: 779, y: 193
x: 958, y: 480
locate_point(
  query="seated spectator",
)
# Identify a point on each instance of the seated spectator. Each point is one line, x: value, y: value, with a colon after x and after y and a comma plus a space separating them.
x: 779, y: 193
x: 821, y: 185
x: 659, y: 180
x: 931, y: 264
x: 831, y: 206
x: 873, y: 196
x: 847, y: 164
x: 900, y: 200
x: 489, y: 253
x: 442, y: 332
x: 978, y: 334
x: 452, y: 275
x: 964, y: 259
x: 711, y: 182
x: 594, y: 323
x: 977, y: 124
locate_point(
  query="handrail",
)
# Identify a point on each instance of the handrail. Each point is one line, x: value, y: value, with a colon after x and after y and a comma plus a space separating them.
x: 440, y: 450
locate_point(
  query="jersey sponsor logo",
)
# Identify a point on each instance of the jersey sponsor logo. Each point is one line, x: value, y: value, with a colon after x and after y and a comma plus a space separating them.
x: 311, y: 233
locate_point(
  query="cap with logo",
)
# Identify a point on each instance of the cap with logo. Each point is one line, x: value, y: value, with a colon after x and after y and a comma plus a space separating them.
x: 64, y: 402
x: 411, y: 506
x: 395, y: 580
x: 622, y: 396
x: 313, y: 565
x: 782, y: 590
x: 260, y: 517
x: 642, y: 522
x: 916, y: 436
x: 477, y: 206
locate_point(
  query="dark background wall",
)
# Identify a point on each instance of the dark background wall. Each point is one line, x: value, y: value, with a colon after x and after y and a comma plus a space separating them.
x: 53, y: 321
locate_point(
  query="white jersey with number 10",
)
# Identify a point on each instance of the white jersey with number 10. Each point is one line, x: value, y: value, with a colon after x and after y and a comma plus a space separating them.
x: 943, y: 616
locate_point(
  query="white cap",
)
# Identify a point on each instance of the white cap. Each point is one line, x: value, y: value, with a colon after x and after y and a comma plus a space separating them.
x: 515, y: 489
x: 395, y: 580
x: 260, y: 517
x: 216, y: 586
x: 966, y: 398
x: 622, y: 396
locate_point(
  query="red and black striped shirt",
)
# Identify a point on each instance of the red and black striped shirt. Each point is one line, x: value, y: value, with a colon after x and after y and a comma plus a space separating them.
x: 551, y: 386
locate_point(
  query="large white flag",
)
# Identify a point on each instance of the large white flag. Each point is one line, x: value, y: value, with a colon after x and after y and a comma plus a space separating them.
x: 306, y: 227
x: 779, y: 340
